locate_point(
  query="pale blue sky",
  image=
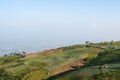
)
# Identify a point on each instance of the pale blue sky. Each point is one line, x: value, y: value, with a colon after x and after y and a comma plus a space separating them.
x: 59, y: 20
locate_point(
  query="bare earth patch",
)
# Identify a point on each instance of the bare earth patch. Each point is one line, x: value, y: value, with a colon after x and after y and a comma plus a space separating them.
x: 44, y: 52
x: 67, y: 67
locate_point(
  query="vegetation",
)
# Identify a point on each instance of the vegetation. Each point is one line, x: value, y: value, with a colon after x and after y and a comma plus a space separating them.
x: 89, y: 61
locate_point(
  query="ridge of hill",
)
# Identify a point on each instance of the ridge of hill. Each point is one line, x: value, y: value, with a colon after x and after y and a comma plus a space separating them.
x: 65, y: 63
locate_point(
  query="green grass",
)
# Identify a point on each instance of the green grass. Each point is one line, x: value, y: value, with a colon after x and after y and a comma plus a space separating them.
x: 62, y: 58
x: 111, y: 58
x: 87, y: 72
x: 36, y: 75
x: 17, y: 69
x: 48, y: 63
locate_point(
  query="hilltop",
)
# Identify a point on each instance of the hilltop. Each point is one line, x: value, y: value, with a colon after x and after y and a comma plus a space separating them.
x: 77, y: 62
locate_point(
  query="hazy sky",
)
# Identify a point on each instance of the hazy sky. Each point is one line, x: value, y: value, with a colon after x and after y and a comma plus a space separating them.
x: 59, y: 20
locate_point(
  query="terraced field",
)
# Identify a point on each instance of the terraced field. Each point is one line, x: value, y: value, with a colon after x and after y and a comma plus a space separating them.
x: 66, y: 63
x: 56, y: 61
x: 110, y: 59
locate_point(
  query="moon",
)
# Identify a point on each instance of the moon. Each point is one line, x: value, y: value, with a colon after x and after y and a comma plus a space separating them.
x: 94, y: 24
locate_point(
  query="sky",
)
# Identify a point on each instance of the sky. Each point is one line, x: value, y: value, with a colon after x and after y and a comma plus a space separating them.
x: 59, y: 20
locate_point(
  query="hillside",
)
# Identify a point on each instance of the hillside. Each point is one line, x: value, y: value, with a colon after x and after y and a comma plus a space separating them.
x: 66, y: 63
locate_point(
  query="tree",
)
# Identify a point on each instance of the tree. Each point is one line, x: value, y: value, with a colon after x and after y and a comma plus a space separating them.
x: 87, y: 42
x: 111, y: 42
x: 23, y: 52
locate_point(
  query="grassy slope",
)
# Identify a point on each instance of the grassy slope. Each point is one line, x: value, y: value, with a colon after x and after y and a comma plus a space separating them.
x: 55, y: 62
x: 111, y: 58
x: 47, y: 63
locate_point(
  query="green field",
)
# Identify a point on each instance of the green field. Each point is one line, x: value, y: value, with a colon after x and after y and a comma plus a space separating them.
x: 45, y: 64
